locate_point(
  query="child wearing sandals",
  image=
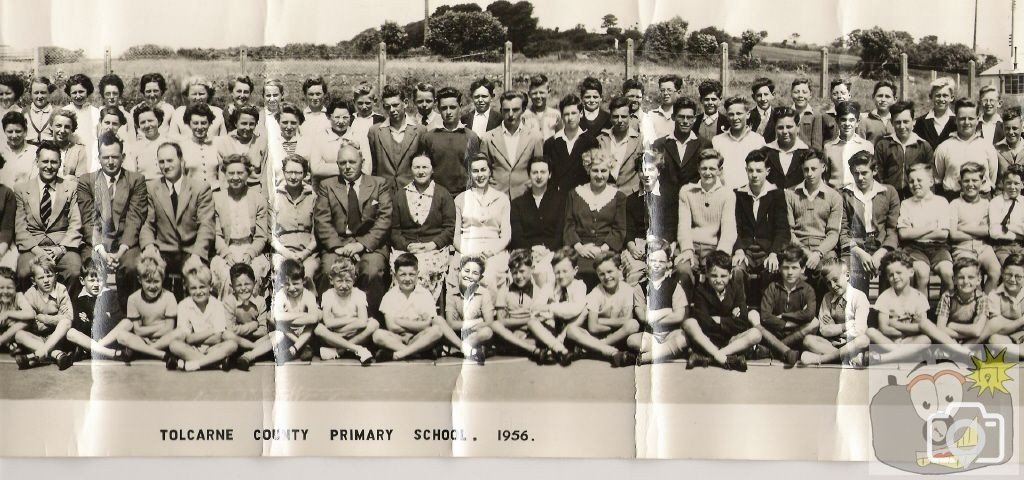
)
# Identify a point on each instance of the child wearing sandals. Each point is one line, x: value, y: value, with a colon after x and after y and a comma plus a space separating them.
x: 469, y: 311
x: 411, y: 322
x: 660, y: 309
x: 610, y: 319
x: 842, y: 318
x: 203, y: 338
x: 346, y: 325
x: 52, y: 311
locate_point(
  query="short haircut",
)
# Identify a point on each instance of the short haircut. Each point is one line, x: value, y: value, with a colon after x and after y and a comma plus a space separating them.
x: 848, y: 108
x: 151, y: 267
x: 93, y: 266
x: 14, y: 118
x: 710, y: 154
x: 509, y: 95
x: 292, y: 109
x: 813, y: 154
x: 290, y: 270
x: 14, y: 83
x: 197, y: 81
x: 249, y: 110
x: 111, y: 80
x: 987, y: 89
x: 925, y: 166
x: 44, y: 263
x: 898, y: 256
x: 676, y: 81
x: 828, y: 263
x: 467, y: 259
x: 884, y: 84
x: 173, y: 144
x: 199, y: 273
x: 298, y: 159
x: 390, y: 91
x: 1013, y: 260
x: 546, y: 160
x: 482, y: 82
x: 737, y: 100
x: 1011, y: 114
x: 964, y: 103
x: 426, y: 88
x: 570, y: 100
x: 862, y: 158
x: 201, y: 109
x: 939, y: 84
x: 50, y: 86
x: 66, y: 113
x: 520, y: 257
x: 78, y: 79
x: 608, y: 256
x: 342, y: 104
x: 115, y: 111
x: 107, y: 139
x: 617, y: 103
x: 343, y: 266
x: 757, y: 156
x: 273, y: 82
x: 785, y: 112
x: 244, y: 80
x: 965, y: 262
x: 659, y: 245
x: 900, y: 107
x: 9, y: 274
x: 565, y: 253
x: 1015, y: 169
x: 239, y: 270
x: 717, y: 259
x: 708, y: 87
x: 972, y: 167
x: 632, y: 84
x: 478, y: 157
x: 312, y: 82
x: 363, y: 89
x: 407, y: 260
x: 682, y: 103
x: 762, y: 82
x: 157, y: 78
x: 800, y: 81
x: 835, y: 82
x: 233, y: 159
x: 794, y: 253
x: 449, y: 92
x: 591, y: 83
x: 145, y: 108
x: 48, y: 145
x: 538, y: 80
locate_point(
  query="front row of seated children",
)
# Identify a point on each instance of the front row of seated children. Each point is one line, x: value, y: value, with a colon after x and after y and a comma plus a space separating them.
x: 555, y: 323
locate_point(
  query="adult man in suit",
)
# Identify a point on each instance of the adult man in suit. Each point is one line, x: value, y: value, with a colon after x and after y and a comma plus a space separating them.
x: 351, y: 218
x: 679, y: 149
x: 482, y: 118
x: 179, y: 225
x: 394, y: 144
x: 48, y: 220
x: 510, y: 147
x: 114, y: 203
x: 624, y: 146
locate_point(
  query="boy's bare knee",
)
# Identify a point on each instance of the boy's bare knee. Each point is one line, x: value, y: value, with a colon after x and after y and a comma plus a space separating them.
x: 754, y: 335
x: 631, y: 326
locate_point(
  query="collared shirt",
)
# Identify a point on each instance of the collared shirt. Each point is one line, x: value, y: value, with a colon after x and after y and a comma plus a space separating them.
x: 175, y: 186
x: 839, y: 152
x: 866, y: 198
x: 951, y: 308
x: 57, y: 299
x: 193, y: 319
x: 433, y: 119
x: 419, y: 203
x: 238, y: 218
x: 112, y: 182
x: 201, y: 160
x: 480, y: 122
x: 817, y: 216
x: 765, y: 115
x: 360, y: 129
x: 954, y: 152
x: 999, y: 209
x: 315, y: 123
x: 140, y: 156
x: 661, y: 121
x: 851, y: 308
x: 939, y: 122
x: 767, y: 187
x: 324, y: 161
x: 988, y: 129
x: 707, y: 216
x: 910, y: 304
x: 569, y: 143
x: 681, y: 145
x: 786, y: 156
x: 292, y: 219
x: 547, y: 122
x: 18, y: 166
x: 417, y: 304
x: 931, y: 212
x: 872, y: 126
x: 252, y: 310
x: 734, y: 152
x: 469, y: 310
x: 398, y: 134
x: 39, y: 123
x: 483, y: 221
x: 617, y: 304
x: 45, y: 186
x: 512, y: 142
x: 618, y: 148
x: 1001, y: 303
x: 911, y: 139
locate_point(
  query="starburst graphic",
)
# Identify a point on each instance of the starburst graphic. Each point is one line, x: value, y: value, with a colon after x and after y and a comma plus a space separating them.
x: 990, y: 373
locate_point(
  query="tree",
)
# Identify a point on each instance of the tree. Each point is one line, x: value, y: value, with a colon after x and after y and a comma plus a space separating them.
x: 748, y: 40
x: 662, y: 40
x: 517, y: 18
x: 609, y: 21
x: 720, y: 36
x: 366, y: 41
x: 794, y: 37
x: 462, y: 7
x: 701, y: 44
x: 395, y: 37
x: 880, y: 51
x: 459, y: 33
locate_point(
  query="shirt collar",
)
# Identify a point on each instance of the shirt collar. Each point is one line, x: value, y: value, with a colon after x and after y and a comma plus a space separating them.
x: 507, y: 133
x: 798, y: 145
x: 525, y: 289
x: 854, y: 139
x: 672, y: 136
x: 931, y: 115
x: 699, y: 187
x: 876, y: 188
x: 41, y: 185
x: 561, y: 134
x: 428, y: 192
x: 767, y: 187
x: 802, y: 187
x: 458, y: 128
x: 976, y: 135
x: 282, y: 189
x: 913, y: 138
x: 485, y: 114
x: 996, y: 118
x: 746, y: 132
x: 1001, y: 291
x: 408, y: 122
x: 308, y: 110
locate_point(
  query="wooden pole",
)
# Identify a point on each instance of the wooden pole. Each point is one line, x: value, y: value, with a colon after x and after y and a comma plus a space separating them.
x: 824, y: 73
x: 630, y: 67
x: 904, y: 77
x: 508, y: 66
x: 934, y: 75
x: 107, y: 64
x: 382, y: 58
x: 38, y: 61
x: 426, y: 21
x: 972, y: 81
x: 723, y: 69
x: 243, y: 59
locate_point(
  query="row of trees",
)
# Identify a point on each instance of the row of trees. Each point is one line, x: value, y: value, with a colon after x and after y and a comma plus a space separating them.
x: 880, y: 50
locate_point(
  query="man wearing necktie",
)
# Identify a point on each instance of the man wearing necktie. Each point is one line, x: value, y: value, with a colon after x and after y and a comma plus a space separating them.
x: 352, y: 217
x: 48, y: 220
x: 114, y: 203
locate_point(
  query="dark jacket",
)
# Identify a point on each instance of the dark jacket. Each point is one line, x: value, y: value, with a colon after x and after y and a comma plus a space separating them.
x: 769, y: 231
x: 925, y: 128
x: 769, y: 129
x: 538, y: 226
x: 602, y: 121
x: 567, y: 170
x: 791, y: 177
x: 885, y: 211
x: 677, y: 171
x: 493, y: 119
x: 439, y: 227
x: 649, y: 215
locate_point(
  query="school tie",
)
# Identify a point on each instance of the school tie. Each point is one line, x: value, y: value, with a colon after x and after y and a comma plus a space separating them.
x: 423, y: 121
x: 1006, y: 218
x: 355, y: 217
x: 45, y: 204
x: 174, y: 200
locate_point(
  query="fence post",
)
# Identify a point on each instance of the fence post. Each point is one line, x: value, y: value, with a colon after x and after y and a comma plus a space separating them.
x: 934, y: 75
x: 382, y: 58
x: 723, y: 69
x: 904, y: 77
x: 630, y: 69
x: 107, y: 66
x: 824, y: 73
x: 972, y: 82
x: 37, y: 62
x: 243, y: 58
x: 508, y: 65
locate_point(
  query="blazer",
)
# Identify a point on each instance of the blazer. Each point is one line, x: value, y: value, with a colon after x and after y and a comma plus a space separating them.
x: 567, y: 170
x: 885, y: 211
x: 330, y: 215
x: 653, y: 215
x: 533, y: 225
x: 493, y: 119
x: 769, y: 128
x: 64, y: 226
x: 8, y: 210
x: 439, y: 226
x: 998, y: 134
x: 258, y: 218
x: 894, y: 161
x: 791, y: 177
x: 768, y: 232
x: 602, y: 121
x: 112, y: 222
x: 627, y: 177
x: 677, y: 171
x: 511, y: 175
x: 391, y: 160
x: 191, y: 229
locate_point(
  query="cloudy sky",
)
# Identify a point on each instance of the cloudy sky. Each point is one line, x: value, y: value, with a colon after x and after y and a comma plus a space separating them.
x: 93, y: 24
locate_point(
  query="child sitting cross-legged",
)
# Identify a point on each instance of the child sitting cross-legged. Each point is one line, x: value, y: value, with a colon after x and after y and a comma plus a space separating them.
x: 15, y: 313
x: 51, y: 308
x: 788, y: 307
x: 249, y: 315
x: 411, y: 322
x: 514, y: 309
x: 98, y: 320
x: 469, y: 311
x: 962, y: 312
x: 295, y: 313
x: 842, y: 318
x: 660, y: 304
x: 610, y: 319
x: 901, y: 310
x: 346, y: 325
x: 564, y: 304
x: 203, y: 338
x: 152, y: 310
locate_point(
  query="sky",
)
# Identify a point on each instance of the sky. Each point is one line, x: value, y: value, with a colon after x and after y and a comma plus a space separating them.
x: 94, y: 24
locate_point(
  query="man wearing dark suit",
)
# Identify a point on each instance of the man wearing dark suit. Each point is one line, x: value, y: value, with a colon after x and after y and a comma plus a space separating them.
x: 48, y: 220
x: 510, y: 146
x: 395, y: 143
x: 762, y: 227
x: 351, y: 219
x: 482, y: 118
x: 679, y: 149
x: 114, y: 203
x: 179, y: 222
